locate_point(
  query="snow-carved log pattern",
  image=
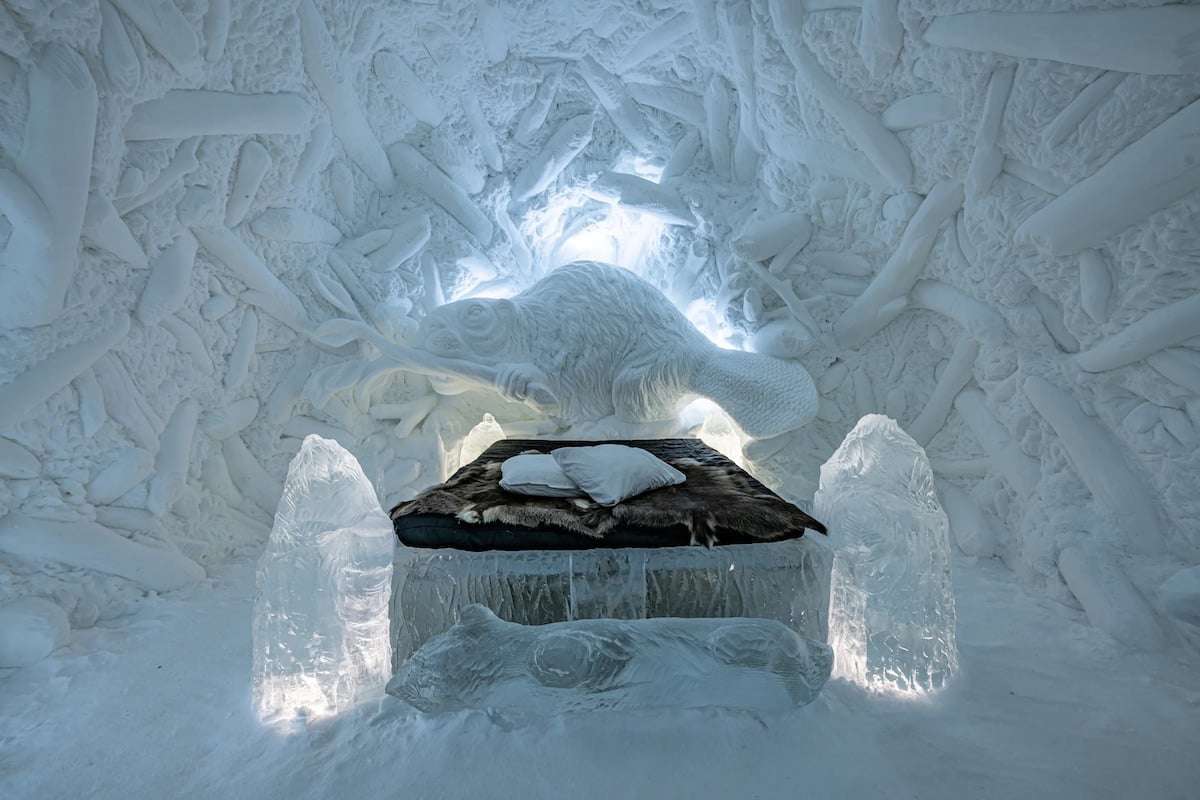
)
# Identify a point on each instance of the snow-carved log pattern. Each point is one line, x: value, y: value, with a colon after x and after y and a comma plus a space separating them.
x: 840, y: 183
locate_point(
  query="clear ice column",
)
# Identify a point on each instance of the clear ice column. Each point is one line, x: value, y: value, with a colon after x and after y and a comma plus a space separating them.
x: 320, y: 625
x: 892, y: 617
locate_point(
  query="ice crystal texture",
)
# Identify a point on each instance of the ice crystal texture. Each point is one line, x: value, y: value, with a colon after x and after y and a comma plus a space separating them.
x: 320, y: 614
x: 485, y: 662
x: 785, y: 581
x: 892, y: 617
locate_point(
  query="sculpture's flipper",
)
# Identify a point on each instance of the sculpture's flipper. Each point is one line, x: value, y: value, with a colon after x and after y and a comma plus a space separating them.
x: 766, y: 396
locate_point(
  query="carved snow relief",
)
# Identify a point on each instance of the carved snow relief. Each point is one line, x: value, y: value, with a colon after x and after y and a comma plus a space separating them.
x: 974, y: 221
x: 606, y: 343
x: 485, y: 662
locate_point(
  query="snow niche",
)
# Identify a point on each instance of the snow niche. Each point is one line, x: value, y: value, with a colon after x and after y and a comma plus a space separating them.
x: 320, y: 614
x: 891, y: 615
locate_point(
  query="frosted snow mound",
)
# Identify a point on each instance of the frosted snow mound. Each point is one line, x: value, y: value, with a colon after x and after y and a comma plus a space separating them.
x: 320, y: 614
x: 891, y: 616
x: 30, y: 629
x: 485, y: 662
x: 1180, y: 596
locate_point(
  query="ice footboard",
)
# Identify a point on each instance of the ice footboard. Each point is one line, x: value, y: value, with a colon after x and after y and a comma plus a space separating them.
x: 785, y: 581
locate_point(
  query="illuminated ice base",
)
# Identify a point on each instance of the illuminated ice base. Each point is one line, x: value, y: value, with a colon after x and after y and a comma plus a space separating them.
x: 320, y: 613
x: 784, y: 581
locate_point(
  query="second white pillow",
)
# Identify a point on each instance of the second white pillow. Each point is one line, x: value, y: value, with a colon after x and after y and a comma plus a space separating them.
x: 536, y: 474
x: 610, y: 473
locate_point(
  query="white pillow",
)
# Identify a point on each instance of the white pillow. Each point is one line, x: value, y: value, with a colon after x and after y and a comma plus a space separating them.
x: 610, y: 473
x: 536, y: 474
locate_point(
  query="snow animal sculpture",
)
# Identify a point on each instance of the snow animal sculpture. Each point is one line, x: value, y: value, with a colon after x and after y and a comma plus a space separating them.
x: 606, y: 343
x: 486, y: 662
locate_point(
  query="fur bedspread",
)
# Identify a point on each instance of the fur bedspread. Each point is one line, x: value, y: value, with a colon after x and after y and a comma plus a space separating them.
x: 717, y: 497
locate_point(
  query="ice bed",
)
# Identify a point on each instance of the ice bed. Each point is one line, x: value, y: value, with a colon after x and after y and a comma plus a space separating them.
x: 466, y: 541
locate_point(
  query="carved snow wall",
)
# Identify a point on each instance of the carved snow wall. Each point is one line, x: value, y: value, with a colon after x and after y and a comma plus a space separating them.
x: 989, y: 235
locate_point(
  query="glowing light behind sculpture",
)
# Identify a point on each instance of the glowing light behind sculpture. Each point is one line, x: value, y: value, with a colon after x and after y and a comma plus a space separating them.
x: 480, y: 438
x: 717, y: 429
x: 628, y: 239
x: 478, y: 277
x: 570, y: 227
x: 704, y: 314
x: 562, y: 232
x: 493, y: 290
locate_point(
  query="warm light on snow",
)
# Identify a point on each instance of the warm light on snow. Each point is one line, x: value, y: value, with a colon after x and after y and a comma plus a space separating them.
x: 704, y: 315
x: 216, y: 242
x: 717, y: 429
x: 638, y: 165
x: 594, y: 243
x: 480, y: 438
x: 576, y: 226
x: 493, y: 291
x: 478, y: 277
x: 622, y: 237
x: 288, y: 698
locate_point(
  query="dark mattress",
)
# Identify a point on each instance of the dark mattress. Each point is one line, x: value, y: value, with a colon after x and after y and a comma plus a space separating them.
x: 712, y: 498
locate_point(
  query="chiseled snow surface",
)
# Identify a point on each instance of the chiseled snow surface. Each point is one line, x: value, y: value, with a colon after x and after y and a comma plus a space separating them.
x: 1045, y: 706
x: 934, y: 207
x: 993, y: 239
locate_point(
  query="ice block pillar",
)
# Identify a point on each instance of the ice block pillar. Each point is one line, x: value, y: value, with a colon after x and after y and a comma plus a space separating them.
x: 891, y: 614
x: 320, y: 624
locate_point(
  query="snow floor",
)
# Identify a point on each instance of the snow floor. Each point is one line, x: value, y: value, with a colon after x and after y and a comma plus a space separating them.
x: 158, y: 706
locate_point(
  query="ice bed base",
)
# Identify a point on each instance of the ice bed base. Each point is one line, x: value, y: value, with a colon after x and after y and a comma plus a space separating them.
x: 786, y: 581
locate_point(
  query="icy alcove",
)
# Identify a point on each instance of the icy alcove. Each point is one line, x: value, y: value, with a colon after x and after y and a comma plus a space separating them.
x: 895, y: 200
x: 983, y: 226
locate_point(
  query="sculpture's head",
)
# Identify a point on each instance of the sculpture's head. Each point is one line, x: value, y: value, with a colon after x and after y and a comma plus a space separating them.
x: 469, y: 328
x: 450, y: 670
